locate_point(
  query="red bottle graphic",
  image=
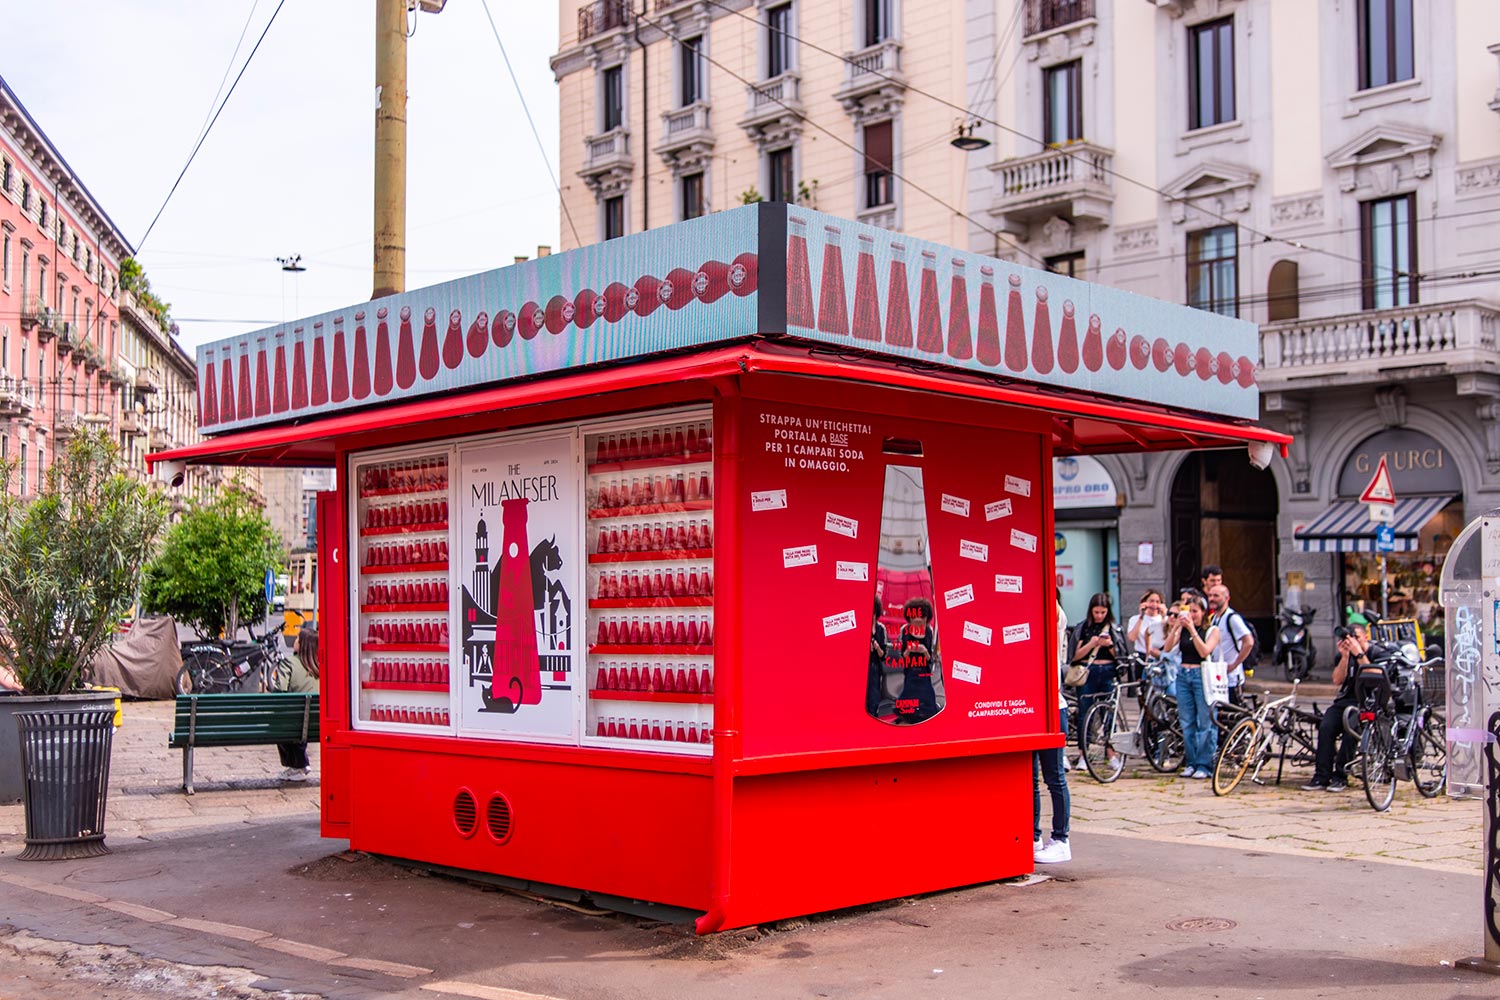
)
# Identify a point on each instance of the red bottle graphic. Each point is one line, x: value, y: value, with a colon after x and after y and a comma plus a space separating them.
x: 1093, y: 345
x: 530, y: 320
x: 1161, y: 354
x: 280, y: 397
x: 1015, y: 328
x: 647, y: 295
x: 360, y: 382
x: 339, y: 389
x: 208, y: 395
x: 744, y: 274
x: 1140, y: 352
x: 428, y: 358
x: 385, y: 374
x: 929, y: 310
x: 677, y: 290
x: 517, y: 678
x: 617, y: 301
x: 960, y: 342
x: 711, y: 283
x: 584, y: 309
x: 453, y: 342
x: 406, y: 352
x: 226, y: 389
x: 988, y: 349
x: 898, y: 301
x: 1067, y: 340
x: 1203, y: 363
x: 1041, y: 335
x: 1225, y: 365
x: 557, y: 317
x: 262, y: 379
x: 479, y: 335
x: 299, y: 368
x: 799, y: 303
x: 1245, y: 376
x: 1182, y: 358
x: 503, y: 328
x: 833, y: 304
x: 1115, y: 351
x: 866, y: 295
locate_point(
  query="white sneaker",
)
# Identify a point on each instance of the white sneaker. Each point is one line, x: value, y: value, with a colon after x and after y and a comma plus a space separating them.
x: 1054, y: 853
x: 1083, y: 765
x: 293, y: 774
x: 1036, y: 847
x: 1199, y: 774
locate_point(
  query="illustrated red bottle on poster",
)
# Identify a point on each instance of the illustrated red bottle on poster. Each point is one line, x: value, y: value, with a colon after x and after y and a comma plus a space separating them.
x: 517, y: 679
x: 208, y: 403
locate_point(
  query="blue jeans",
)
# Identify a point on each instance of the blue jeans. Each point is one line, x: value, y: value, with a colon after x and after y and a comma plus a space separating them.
x: 1050, y: 766
x: 1101, y: 681
x: 1200, y: 739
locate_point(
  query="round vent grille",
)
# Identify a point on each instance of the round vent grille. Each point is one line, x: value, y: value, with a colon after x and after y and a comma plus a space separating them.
x: 465, y: 812
x: 498, y: 818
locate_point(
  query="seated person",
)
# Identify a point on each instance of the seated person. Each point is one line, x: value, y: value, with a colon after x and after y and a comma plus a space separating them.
x: 1329, y: 773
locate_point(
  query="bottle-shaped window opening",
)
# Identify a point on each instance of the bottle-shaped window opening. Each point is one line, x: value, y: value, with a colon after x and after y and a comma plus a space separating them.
x: 905, y: 681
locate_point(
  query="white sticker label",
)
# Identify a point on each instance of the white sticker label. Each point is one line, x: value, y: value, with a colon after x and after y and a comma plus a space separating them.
x: 1007, y: 584
x: 1017, y: 633
x: 966, y: 672
x: 1018, y: 486
x: 841, y: 525
x: 998, y: 509
x: 959, y: 595
x: 768, y: 500
x: 982, y: 634
x: 956, y: 505
x: 974, y: 550
x: 1022, y: 540
x: 851, y: 570
x: 802, y: 555
x: 841, y: 622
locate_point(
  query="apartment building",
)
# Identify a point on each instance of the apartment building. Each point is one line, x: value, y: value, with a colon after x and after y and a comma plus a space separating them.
x: 1329, y: 169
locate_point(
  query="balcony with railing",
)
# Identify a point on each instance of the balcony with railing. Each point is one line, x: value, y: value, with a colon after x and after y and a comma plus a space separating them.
x: 1049, y: 15
x: 606, y: 159
x: 602, y: 16
x: 66, y: 423
x: 1073, y: 181
x: 685, y: 130
x: 872, y: 73
x: 35, y: 313
x: 17, y: 396
x: 773, y: 109
x: 1442, y: 339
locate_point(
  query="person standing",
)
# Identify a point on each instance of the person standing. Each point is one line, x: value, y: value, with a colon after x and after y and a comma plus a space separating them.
x: 1328, y: 773
x: 1097, y: 642
x: 302, y: 679
x: 1196, y: 639
x: 1147, y: 629
x: 1239, y: 640
x: 1051, y: 767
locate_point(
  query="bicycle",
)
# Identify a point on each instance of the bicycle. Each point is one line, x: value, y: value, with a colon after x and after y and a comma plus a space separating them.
x: 216, y: 666
x: 1399, y: 735
x: 1277, y: 724
x: 1110, y: 735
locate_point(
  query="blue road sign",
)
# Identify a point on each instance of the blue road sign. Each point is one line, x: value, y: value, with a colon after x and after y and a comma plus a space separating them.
x: 270, y: 585
x: 1385, y: 538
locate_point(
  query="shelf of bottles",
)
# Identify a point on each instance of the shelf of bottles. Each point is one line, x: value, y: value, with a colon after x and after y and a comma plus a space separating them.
x: 401, y: 517
x: 650, y: 535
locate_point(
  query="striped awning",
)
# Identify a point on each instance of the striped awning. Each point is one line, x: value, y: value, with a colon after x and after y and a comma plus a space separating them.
x: 1346, y: 526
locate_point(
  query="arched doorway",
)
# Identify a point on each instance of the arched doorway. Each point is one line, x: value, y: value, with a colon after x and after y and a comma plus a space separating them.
x: 1224, y: 513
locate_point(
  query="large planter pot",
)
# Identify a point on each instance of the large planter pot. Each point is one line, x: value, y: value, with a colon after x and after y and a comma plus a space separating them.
x: 12, y: 783
x: 65, y: 762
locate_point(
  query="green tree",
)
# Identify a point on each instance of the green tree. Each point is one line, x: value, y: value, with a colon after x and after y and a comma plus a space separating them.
x: 212, y: 567
x: 70, y: 562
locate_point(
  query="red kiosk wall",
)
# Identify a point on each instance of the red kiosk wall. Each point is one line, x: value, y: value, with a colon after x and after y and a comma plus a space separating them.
x: 333, y: 700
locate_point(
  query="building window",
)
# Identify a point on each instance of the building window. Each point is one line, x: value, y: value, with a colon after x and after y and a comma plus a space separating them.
x: 614, y: 217
x: 1213, y: 270
x: 1062, y: 100
x: 1388, y: 249
x: 1070, y: 264
x: 41, y: 215
x: 781, y: 181
x: 1211, y: 73
x: 878, y: 26
x: 41, y: 465
x: 5, y: 172
x: 26, y: 196
x: 1385, y: 42
x: 691, y: 70
x: 5, y: 259
x: 612, y: 100
x: 21, y: 480
x: 880, y: 187
x: 778, y: 40
x: 25, y: 274
x: 692, y: 196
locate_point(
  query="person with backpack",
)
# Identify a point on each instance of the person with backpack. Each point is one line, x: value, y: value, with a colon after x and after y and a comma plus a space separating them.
x: 1239, y: 636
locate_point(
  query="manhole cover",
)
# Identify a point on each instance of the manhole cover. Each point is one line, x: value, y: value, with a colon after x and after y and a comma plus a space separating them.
x: 1202, y: 924
x: 110, y: 874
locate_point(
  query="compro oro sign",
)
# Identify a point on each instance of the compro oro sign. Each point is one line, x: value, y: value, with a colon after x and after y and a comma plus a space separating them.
x: 1082, y: 481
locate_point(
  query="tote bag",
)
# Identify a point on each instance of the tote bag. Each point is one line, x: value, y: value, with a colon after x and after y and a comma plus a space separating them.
x: 1216, y: 682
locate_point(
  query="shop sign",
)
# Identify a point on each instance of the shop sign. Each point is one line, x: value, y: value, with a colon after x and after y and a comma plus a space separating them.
x: 1419, y: 465
x: 1081, y: 481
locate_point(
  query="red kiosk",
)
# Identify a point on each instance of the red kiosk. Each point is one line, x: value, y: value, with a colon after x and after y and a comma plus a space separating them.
x: 601, y: 575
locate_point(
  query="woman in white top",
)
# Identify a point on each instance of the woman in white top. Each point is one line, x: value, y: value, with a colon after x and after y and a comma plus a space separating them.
x: 1147, y: 630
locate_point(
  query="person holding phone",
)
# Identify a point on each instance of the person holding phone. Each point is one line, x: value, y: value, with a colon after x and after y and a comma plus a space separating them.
x: 1099, y: 643
x: 1188, y: 635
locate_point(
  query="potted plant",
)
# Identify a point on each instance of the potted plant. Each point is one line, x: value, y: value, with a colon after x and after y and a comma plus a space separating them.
x: 70, y: 567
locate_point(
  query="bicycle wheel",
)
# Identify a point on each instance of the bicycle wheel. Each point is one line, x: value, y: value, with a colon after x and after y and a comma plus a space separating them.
x: 1429, y: 757
x: 1164, y: 747
x: 1375, y: 763
x: 188, y: 679
x: 1235, y: 756
x: 1098, y: 731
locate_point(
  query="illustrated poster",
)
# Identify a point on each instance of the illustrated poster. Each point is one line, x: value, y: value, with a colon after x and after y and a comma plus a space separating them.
x: 518, y: 563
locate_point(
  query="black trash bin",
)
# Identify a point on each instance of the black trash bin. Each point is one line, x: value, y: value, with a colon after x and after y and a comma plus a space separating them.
x: 65, y: 766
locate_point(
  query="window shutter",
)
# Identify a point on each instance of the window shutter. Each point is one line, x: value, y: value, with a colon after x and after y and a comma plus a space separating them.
x: 878, y: 153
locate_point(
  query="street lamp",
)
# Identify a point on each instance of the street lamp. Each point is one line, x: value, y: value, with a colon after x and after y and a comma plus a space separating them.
x: 966, y: 140
x: 292, y: 263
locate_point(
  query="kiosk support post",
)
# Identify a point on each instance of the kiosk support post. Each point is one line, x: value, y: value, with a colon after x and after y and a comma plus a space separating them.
x: 1489, y: 758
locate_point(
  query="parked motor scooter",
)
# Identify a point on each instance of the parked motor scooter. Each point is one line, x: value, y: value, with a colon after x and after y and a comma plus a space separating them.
x: 1294, y: 651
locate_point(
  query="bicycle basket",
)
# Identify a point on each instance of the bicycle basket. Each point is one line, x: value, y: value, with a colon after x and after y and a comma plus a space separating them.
x: 1128, y: 743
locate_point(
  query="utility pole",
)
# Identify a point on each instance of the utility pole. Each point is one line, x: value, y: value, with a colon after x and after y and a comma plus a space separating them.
x: 390, y: 147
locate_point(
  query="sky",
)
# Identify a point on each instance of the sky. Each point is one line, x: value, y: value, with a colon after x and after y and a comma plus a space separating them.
x: 123, y: 89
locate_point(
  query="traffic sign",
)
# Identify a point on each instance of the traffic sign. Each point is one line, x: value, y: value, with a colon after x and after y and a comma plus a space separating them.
x: 1381, y: 513
x: 270, y: 585
x: 1385, y: 538
x: 1380, y: 489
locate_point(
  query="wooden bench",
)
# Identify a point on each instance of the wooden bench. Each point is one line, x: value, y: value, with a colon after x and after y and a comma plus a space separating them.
x: 241, y: 720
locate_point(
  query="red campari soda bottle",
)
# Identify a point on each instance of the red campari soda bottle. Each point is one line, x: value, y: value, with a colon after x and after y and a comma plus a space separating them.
x: 599, y: 728
x: 1225, y: 366
x: 706, y: 685
x: 659, y: 636
x: 682, y: 736
x: 453, y: 342
x: 1067, y: 340
x: 634, y: 732
x: 692, y: 681
x: 705, y: 491
x: 529, y: 322
x: 262, y: 378
x: 744, y: 274
x: 1203, y: 363
x: 208, y: 402
x: 1041, y: 334
x: 503, y: 328
x: 1246, y: 374
x: 799, y: 300
x: 866, y: 294
x: 960, y: 342
x: 647, y: 295
x: 634, y: 682
x: 898, y: 300
x: 1015, y: 328
x: 1140, y: 352
x: 833, y: 305
x: 988, y: 348
x: 679, y: 632
x: 406, y: 353
x: 556, y: 317
x: 656, y: 730
x: 656, y: 681
x: 708, y: 581
x: 584, y: 309
x: 617, y: 301
x: 693, y: 635
x: 338, y: 372
x: 359, y: 385
x: 1117, y: 351
x: 677, y: 290
x: 1093, y: 345
x: 1182, y: 358
x: 281, y: 397
x: 226, y: 387
x: 706, y: 632
x: 299, y: 368
x: 427, y: 359
x: 1161, y: 354
x: 384, y: 373
x: 929, y: 309
x: 711, y: 281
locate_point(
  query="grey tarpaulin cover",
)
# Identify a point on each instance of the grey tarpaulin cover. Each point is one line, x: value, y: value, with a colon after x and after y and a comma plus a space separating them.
x: 142, y: 663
